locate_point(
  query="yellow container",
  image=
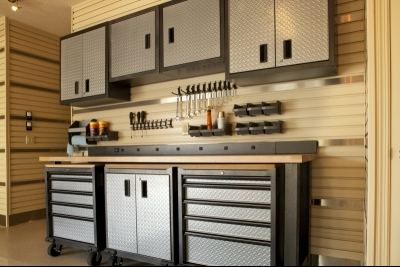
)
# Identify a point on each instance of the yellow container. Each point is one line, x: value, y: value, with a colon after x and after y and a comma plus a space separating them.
x: 103, y: 128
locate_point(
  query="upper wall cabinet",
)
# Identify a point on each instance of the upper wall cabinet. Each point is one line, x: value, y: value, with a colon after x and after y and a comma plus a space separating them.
x: 279, y: 40
x: 84, y: 66
x: 134, y: 52
x: 192, y: 37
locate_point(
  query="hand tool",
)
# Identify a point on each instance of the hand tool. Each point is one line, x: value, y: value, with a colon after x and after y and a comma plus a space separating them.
x: 196, y: 99
x: 192, y: 96
x: 225, y: 93
x: 187, y: 102
x: 178, y: 98
x: 210, y: 101
x: 204, y: 99
x: 138, y: 121
x: 142, y: 125
x: 131, y: 118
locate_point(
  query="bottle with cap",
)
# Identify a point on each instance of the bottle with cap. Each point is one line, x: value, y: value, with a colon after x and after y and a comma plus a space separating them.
x: 94, y: 128
x: 221, y: 120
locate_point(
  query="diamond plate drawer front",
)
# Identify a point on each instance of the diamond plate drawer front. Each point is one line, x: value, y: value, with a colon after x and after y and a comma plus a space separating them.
x: 153, y: 216
x: 236, y: 195
x: 306, y: 23
x: 197, y: 32
x: 227, y: 229
x: 121, y: 213
x: 94, y: 61
x: 128, y: 52
x: 214, y: 181
x: 71, y: 176
x: 69, y: 198
x: 82, y: 231
x: 72, y: 186
x: 251, y: 24
x: 71, y: 67
x: 74, y: 211
x: 225, y: 212
x: 212, y: 252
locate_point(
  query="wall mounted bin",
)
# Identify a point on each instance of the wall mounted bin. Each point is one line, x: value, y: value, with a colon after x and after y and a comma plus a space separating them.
x: 240, y: 111
x: 110, y: 136
x: 265, y: 127
x: 242, y: 128
x: 271, y: 108
x: 197, y: 131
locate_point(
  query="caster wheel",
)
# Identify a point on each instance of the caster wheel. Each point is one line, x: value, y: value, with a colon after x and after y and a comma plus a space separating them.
x: 115, y: 261
x: 54, y: 250
x: 94, y: 259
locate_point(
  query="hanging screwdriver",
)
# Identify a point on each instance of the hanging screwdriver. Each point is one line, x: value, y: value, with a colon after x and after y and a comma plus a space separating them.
x: 138, y: 121
x: 131, y: 118
x: 143, y: 115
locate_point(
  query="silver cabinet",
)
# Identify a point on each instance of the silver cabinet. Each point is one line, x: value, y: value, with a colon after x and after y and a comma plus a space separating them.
x: 94, y: 62
x: 84, y: 69
x: 121, y: 212
x: 252, y: 35
x: 303, y: 27
x: 271, y: 41
x: 71, y: 68
x: 139, y: 220
x: 133, y: 45
x: 192, y: 37
x: 153, y: 216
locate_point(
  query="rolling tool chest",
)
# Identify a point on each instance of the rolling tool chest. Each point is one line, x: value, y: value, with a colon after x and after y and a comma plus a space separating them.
x: 230, y: 218
x: 75, y: 209
x: 140, y: 211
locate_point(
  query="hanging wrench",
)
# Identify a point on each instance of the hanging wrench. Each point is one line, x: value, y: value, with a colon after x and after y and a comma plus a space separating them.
x: 192, y: 96
x: 197, y: 99
x: 178, y: 100
x: 187, y: 102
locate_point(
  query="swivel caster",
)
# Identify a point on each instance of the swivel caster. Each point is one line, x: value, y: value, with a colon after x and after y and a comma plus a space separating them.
x: 115, y: 261
x: 54, y: 250
x: 94, y: 259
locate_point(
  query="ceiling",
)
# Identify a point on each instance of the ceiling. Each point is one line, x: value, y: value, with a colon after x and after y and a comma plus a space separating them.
x: 53, y: 16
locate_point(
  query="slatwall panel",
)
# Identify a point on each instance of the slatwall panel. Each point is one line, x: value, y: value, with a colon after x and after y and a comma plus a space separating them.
x: 3, y: 160
x: 332, y: 112
x: 34, y: 76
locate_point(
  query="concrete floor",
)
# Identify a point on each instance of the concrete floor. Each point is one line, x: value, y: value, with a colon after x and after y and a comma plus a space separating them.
x: 24, y: 245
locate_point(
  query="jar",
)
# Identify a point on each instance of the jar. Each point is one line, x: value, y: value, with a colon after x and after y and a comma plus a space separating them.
x: 103, y: 128
x: 221, y: 120
x: 94, y: 128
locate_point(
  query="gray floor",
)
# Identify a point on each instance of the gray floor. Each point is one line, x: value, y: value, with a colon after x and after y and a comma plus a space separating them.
x: 24, y: 245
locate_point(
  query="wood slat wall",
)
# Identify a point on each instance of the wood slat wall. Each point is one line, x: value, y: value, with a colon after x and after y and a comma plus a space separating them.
x: 3, y: 158
x: 34, y: 66
x: 332, y: 112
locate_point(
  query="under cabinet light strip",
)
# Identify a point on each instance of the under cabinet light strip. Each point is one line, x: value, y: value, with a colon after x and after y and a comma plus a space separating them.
x: 306, y: 84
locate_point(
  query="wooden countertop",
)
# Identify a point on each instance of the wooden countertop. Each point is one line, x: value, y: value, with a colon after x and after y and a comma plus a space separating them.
x: 229, y: 159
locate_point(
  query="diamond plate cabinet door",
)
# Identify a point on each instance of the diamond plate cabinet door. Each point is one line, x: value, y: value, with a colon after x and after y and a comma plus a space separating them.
x: 71, y: 68
x: 121, y: 212
x: 251, y: 35
x: 94, y: 62
x: 303, y: 27
x: 153, y: 216
x: 192, y: 36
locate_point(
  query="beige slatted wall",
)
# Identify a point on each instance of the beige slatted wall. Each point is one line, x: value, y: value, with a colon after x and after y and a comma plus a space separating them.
x: 3, y: 160
x: 332, y: 112
x: 34, y: 76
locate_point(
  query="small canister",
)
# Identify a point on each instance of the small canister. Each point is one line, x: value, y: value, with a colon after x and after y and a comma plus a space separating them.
x: 221, y: 120
x: 94, y: 128
x: 103, y: 128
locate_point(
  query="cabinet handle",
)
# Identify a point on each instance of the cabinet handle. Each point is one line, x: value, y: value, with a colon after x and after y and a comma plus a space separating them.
x: 287, y: 49
x: 76, y: 88
x: 171, y: 35
x: 144, y: 189
x: 127, y: 188
x: 264, y: 53
x: 147, y: 41
x: 87, y: 86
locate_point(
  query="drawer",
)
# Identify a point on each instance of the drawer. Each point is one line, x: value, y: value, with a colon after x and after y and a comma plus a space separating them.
x: 70, y: 198
x: 214, y: 252
x: 228, y: 212
x: 228, y: 194
x: 71, y: 176
x: 72, y: 186
x: 227, y: 181
x: 229, y: 229
x: 82, y: 231
x: 74, y: 211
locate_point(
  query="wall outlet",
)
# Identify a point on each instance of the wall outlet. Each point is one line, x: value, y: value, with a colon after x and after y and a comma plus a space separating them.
x: 185, y: 128
x: 30, y: 140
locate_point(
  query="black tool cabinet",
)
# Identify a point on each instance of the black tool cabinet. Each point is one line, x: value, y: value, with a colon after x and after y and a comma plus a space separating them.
x: 229, y: 218
x: 75, y: 209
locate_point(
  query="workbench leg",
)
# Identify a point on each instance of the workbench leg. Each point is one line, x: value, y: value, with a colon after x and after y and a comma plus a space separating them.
x: 297, y: 214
